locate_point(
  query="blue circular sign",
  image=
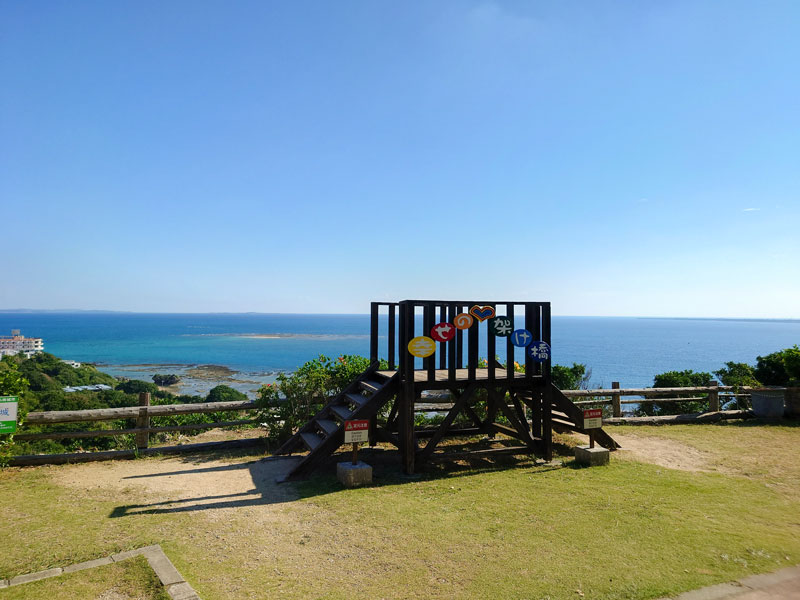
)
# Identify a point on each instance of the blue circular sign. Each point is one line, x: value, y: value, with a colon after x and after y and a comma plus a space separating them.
x: 539, y: 351
x: 521, y: 338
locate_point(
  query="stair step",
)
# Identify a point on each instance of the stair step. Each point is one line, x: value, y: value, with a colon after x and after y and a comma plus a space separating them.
x: 370, y: 386
x: 342, y: 412
x: 328, y: 426
x: 357, y: 399
x: 312, y: 440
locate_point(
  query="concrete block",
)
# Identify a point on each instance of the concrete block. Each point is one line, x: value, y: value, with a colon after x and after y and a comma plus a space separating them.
x: 713, y: 592
x: 3, y: 583
x: 89, y: 564
x: 125, y: 555
x: 163, y: 567
x: 591, y: 456
x: 351, y: 475
x: 182, y: 591
x: 768, y: 579
x: 19, y: 579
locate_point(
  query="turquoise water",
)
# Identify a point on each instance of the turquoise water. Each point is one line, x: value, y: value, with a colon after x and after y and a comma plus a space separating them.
x: 625, y: 349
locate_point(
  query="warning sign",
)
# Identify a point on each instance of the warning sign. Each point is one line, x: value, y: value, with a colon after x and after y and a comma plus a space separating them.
x: 8, y: 414
x: 356, y: 431
x: 592, y: 418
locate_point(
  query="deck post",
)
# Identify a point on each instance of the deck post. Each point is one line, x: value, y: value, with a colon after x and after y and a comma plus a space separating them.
x: 713, y: 398
x: 143, y: 421
x: 373, y: 332
x: 616, y: 400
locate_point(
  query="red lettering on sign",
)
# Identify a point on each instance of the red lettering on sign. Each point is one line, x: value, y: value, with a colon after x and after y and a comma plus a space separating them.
x: 356, y: 425
x: 592, y: 413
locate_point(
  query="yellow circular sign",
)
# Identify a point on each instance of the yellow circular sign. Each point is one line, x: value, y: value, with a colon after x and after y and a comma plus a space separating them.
x: 422, y: 346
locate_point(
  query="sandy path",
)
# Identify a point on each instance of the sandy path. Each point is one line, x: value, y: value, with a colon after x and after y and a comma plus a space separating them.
x: 184, y: 483
x: 665, y: 453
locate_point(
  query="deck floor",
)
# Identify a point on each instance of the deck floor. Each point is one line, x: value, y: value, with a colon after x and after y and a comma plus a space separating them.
x: 421, y: 376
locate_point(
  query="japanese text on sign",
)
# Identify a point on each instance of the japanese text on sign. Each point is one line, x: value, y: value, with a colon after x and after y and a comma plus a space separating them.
x: 592, y: 418
x: 8, y: 414
x: 356, y: 431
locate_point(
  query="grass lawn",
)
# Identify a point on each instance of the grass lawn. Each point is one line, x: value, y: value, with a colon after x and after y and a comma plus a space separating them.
x: 633, y: 529
x: 132, y: 579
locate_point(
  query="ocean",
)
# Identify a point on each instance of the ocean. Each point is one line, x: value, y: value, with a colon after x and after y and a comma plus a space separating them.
x: 255, y: 347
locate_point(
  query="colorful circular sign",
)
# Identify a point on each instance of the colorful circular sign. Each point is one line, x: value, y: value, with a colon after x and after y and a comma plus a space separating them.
x: 422, y: 346
x: 482, y: 312
x: 443, y: 332
x: 539, y: 351
x: 463, y: 321
x: 521, y: 338
x: 501, y: 326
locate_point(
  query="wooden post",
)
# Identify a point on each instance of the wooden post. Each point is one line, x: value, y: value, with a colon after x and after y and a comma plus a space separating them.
x: 616, y: 400
x: 355, y: 453
x: 143, y: 421
x: 591, y: 438
x: 713, y: 398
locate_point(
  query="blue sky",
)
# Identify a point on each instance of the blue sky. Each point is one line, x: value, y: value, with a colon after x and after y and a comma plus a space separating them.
x: 614, y: 158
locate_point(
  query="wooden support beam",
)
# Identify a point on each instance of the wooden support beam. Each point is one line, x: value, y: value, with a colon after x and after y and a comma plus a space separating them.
x: 445, y: 425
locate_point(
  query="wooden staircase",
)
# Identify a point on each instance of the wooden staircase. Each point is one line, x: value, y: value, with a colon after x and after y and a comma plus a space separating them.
x: 324, y: 433
x: 566, y: 416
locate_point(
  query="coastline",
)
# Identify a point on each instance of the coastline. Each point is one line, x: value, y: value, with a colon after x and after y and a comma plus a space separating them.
x: 196, y: 379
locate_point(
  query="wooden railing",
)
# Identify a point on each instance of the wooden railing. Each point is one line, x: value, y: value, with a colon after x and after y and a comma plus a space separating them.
x: 142, y: 414
x: 713, y: 395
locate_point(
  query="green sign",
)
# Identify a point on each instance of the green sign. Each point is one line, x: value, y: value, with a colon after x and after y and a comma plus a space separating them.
x: 8, y: 414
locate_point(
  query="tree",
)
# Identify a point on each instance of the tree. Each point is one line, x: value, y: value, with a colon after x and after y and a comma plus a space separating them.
x: 136, y: 386
x: 571, y: 378
x: 294, y: 399
x: 779, y: 368
x: 223, y: 393
x: 12, y: 382
x: 686, y: 378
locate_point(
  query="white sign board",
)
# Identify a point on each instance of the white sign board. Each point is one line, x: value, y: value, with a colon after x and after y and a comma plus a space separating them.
x: 8, y: 413
x: 592, y: 418
x: 356, y: 431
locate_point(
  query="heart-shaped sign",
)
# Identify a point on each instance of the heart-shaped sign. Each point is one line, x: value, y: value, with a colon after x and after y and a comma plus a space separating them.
x: 482, y: 312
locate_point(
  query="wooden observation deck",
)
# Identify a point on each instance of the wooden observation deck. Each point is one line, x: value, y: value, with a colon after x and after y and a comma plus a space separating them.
x: 497, y: 384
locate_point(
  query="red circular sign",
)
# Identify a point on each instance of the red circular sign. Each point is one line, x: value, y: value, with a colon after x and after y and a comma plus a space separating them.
x: 443, y: 332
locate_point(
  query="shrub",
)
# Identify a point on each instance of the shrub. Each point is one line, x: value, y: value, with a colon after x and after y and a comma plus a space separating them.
x: 779, y: 368
x: 293, y: 399
x: 686, y: 378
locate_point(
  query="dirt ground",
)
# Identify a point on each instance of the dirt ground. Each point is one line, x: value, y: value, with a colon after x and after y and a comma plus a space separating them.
x: 187, y: 482
x: 665, y: 453
x: 194, y: 482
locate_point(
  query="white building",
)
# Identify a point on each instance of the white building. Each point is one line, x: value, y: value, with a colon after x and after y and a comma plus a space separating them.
x: 19, y: 344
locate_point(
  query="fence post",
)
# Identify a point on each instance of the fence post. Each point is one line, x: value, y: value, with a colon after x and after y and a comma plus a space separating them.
x: 713, y: 397
x: 616, y: 400
x: 143, y: 421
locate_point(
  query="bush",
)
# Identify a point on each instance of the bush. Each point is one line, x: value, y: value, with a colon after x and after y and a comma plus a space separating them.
x: 779, y: 368
x: 292, y: 400
x: 686, y: 378
x: 575, y: 377
x: 223, y: 393
x: 135, y: 386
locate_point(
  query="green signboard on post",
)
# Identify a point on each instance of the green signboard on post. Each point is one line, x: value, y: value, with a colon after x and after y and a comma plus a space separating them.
x: 8, y: 413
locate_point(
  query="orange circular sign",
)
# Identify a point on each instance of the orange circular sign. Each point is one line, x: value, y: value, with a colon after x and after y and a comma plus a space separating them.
x: 463, y: 321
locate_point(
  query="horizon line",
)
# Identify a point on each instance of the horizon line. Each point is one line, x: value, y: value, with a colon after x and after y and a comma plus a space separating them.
x: 133, y: 312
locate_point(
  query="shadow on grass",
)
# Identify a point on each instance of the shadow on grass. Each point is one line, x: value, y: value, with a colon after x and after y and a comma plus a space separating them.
x: 207, y: 479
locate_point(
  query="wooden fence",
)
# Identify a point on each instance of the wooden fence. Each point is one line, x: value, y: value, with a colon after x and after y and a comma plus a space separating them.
x: 714, y: 396
x: 143, y: 413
